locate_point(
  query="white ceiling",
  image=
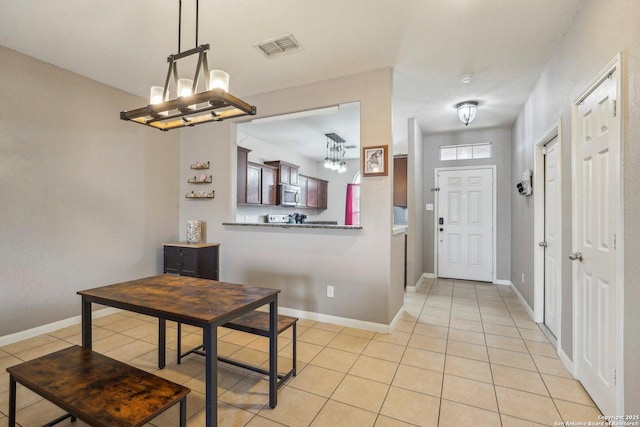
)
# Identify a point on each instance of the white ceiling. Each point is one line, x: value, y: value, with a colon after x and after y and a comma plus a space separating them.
x: 429, y: 43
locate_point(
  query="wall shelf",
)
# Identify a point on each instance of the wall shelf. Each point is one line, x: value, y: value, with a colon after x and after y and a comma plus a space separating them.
x: 201, y: 195
x: 200, y: 165
x: 202, y: 179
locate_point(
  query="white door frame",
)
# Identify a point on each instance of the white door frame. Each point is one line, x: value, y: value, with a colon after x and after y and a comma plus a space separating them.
x: 614, y: 65
x: 539, y: 225
x: 493, y: 219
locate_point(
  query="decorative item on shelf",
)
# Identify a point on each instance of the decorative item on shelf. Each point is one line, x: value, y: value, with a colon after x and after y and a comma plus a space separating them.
x: 190, y: 107
x: 194, y: 231
x: 375, y: 160
x: 202, y: 179
x: 334, y: 159
x: 201, y: 195
x: 467, y: 111
x: 200, y: 165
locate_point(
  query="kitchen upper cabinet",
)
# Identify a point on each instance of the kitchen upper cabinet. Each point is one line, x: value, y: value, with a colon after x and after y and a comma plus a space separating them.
x: 243, y: 154
x: 287, y: 172
x: 261, y: 184
x: 400, y: 181
x: 313, y: 192
x: 269, y: 184
x: 302, y: 182
x: 323, y: 190
x: 254, y: 179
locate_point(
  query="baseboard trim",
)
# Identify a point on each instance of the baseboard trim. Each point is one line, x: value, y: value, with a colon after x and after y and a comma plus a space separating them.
x: 568, y: 363
x: 523, y: 301
x: 502, y: 282
x: 342, y: 321
x: 50, y: 327
x: 418, y: 285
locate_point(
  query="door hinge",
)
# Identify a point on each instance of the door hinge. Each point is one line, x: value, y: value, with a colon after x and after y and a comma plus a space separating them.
x: 614, y: 241
x: 544, y: 150
x: 614, y: 377
x: 615, y: 105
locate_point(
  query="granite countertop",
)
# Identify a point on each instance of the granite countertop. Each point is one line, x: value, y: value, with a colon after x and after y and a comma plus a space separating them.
x: 298, y: 226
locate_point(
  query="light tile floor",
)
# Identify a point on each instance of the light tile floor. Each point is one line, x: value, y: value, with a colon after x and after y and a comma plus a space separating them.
x: 463, y: 354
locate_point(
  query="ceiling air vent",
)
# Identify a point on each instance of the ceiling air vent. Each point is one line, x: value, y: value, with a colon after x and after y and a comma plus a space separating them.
x: 282, y: 44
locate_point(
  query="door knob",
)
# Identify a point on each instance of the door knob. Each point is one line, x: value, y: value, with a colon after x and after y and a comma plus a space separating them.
x: 576, y: 256
x: 543, y: 244
x: 441, y: 229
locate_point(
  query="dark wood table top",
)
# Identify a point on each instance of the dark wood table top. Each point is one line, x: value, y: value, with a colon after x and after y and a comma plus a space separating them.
x: 97, y: 389
x: 181, y: 298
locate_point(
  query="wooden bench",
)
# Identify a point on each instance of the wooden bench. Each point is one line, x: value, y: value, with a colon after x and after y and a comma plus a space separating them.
x: 98, y: 390
x: 257, y: 323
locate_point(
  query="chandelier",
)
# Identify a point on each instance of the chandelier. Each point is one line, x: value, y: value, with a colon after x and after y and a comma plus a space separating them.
x: 334, y: 159
x: 467, y: 111
x: 190, y: 107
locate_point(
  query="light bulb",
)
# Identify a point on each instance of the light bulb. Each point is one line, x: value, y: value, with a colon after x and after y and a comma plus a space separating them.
x: 219, y: 79
x: 184, y: 89
x: 156, y: 97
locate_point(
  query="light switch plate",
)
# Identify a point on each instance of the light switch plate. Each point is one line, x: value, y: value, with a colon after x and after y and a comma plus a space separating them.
x: 429, y: 206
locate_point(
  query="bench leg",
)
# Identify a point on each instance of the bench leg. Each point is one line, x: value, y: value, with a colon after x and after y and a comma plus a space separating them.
x: 12, y: 401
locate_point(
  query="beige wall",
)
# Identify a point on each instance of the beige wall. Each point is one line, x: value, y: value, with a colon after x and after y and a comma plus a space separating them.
x: 302, y: 263
x: 416, y: 204
x: 85, y: 198
x: 599, y: 32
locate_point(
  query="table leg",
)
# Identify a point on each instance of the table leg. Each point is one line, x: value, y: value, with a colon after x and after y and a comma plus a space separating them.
x: 273, y: 352
x: 86, y: 323
x: 12, y: 401
x: 211, y: 372
x: 162, y: 342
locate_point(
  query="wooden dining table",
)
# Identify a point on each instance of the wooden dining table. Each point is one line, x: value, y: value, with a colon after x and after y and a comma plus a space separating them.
x: 198, y: 302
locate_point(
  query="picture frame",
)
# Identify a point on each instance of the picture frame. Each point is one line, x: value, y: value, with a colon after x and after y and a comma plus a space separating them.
x: 375, y: 160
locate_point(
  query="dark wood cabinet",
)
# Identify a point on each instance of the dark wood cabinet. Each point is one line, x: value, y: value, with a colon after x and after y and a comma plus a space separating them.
x: 261, y: 187
x: 269, y: 185
x: 243, y: 154
x: 313, y: 192
x: 323, y: 194
x: 287, y: 172
x: 302, y: 182
x: 192, y: 259
x: 253, y: 186
x: 400, y: 181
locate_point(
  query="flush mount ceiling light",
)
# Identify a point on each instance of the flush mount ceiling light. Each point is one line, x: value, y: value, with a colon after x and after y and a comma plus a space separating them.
x: 189, y: 107
x: 335, y: 153
x: 467, y: 111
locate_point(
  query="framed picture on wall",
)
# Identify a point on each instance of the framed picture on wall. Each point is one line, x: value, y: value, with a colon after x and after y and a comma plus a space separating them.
x: 375, y: 160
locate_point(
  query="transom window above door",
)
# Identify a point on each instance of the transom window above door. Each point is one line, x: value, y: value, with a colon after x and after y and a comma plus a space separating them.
x: 480, y: 150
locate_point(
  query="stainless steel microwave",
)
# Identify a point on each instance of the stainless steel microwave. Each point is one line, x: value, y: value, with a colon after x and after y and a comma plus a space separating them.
x: 288, y: 195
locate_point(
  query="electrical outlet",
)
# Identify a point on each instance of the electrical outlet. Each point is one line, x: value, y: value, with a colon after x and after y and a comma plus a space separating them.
x: 523, y: 278
x: 330, y: 291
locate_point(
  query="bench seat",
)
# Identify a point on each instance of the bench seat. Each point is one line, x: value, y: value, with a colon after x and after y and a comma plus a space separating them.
x: 98, y: 390
x: 255, y: 322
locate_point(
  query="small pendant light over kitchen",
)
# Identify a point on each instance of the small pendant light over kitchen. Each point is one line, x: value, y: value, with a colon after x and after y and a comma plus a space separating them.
x: 467, y: 111
x: 190, y: 107
x: 334, y: 159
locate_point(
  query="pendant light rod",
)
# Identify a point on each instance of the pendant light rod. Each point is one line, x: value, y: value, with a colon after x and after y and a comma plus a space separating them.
x: 180, y: 23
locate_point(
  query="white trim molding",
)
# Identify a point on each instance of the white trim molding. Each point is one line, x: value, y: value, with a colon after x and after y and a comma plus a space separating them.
x: 45, y: 329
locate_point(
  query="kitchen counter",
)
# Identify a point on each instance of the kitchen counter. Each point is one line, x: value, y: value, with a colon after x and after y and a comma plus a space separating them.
x: 297, y: 226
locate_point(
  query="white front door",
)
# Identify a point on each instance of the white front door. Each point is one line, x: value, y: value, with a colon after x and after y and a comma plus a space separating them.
x: 464, y: 224
x: 551, y: 237
x: 596, y: 208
